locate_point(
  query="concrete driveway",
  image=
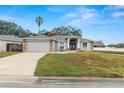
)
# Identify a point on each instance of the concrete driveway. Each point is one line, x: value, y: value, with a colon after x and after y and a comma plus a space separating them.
x: 20, y: 64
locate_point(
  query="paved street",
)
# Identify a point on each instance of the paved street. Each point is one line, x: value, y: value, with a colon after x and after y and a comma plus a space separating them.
x: 64, y: 83
x: 20, y: 64
x: 67, y: 84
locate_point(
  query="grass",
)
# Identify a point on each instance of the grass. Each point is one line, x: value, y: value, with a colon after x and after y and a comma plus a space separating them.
x: 110, y: 52
x: 81, y: 64
x: 4, y: 54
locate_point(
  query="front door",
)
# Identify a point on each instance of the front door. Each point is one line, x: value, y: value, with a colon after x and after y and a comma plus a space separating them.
x: 72, y: 46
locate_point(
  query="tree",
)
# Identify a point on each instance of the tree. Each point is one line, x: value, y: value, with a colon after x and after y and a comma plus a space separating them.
x: 42, y: 32
x: 39, y: 21
x: 49, y: 33
x: 99, y: 44
x: 10, y: 28
x: 63, y: 30
x: 119, y: 45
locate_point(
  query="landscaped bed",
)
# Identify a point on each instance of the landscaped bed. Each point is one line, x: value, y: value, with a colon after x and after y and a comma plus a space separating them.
x: 4, y: 54
x: 82, y: 64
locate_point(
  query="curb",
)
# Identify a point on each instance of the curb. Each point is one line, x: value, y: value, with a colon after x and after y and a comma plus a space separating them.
x: 36, y: 79
x: 79, y: 78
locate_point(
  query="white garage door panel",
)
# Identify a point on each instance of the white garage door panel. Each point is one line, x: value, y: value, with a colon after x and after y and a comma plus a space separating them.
x: 38, y: 46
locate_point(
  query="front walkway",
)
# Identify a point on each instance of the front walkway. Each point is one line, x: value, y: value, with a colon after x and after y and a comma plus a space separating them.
x: 20, y: 64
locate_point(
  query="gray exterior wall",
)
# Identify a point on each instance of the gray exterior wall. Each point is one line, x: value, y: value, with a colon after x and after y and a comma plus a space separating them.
x: 54, y: 44
x: 89, y: 46
x: 4, y: 43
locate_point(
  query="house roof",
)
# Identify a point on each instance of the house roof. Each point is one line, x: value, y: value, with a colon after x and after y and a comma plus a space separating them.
x: 41, y: 36
x: 57, y: 37
x: 10, y: 38
x: 63, y: 37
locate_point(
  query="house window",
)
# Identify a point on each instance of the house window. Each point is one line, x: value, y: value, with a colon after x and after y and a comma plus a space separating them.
x: 61, y: 45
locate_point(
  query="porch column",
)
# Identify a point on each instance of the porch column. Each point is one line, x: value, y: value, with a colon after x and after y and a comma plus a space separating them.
x: 68, y: 41
x: 78, y: 44
x: 51, y: 45
x: 24, y: 45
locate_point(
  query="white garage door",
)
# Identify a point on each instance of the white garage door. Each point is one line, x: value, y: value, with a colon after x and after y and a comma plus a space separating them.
x: 38, y: 46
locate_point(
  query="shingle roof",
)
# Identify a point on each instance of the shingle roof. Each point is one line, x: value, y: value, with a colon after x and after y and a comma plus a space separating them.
x: 58, y: 37
x: 10, y: 38
x: 63, y: 37
x: 41, y: 36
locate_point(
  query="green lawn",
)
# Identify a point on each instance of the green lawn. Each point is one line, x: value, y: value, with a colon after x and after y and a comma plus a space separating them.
x: 82, y: 64
x: 4, y: 54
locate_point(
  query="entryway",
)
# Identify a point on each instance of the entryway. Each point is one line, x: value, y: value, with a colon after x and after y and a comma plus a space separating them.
x: 73, y: 44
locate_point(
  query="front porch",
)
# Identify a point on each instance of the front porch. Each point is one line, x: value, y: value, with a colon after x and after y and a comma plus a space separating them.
x: 73, y: 44
x: 70, y: 44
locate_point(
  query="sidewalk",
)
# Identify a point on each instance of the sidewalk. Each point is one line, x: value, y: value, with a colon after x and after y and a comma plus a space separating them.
x: 17, y: 79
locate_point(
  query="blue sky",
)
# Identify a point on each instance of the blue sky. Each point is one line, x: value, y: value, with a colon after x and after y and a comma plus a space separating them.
x: 104, y: 23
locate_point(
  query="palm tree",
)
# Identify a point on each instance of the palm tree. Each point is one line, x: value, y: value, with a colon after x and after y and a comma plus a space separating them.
x: 39, y: 21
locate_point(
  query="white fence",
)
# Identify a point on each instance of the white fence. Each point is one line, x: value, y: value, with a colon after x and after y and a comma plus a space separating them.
x: 110, y: 49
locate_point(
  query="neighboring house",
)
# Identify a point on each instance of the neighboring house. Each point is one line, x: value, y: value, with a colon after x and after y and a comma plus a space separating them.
x: 56, y: 43
x: 10, y: 43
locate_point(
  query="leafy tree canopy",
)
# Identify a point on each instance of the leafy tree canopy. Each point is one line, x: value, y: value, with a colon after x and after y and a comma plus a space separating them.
x: 10, y: 28
x: 119, y: 45
x: 63, y: 30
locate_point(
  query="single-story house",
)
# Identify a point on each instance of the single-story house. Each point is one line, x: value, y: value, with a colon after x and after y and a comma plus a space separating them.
x: 56, y: 43
x: 10, y: 43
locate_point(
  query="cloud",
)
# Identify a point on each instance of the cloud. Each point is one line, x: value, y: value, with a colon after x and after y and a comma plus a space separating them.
x: 80, y: 14
x: 70, y: 15
x: 114, y: 11
x: 91, y: 16
x: 9, y: 18
x: 87, y: 13
x: 118, y: 14
x: 75, y: 22
x: 88, y: 16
